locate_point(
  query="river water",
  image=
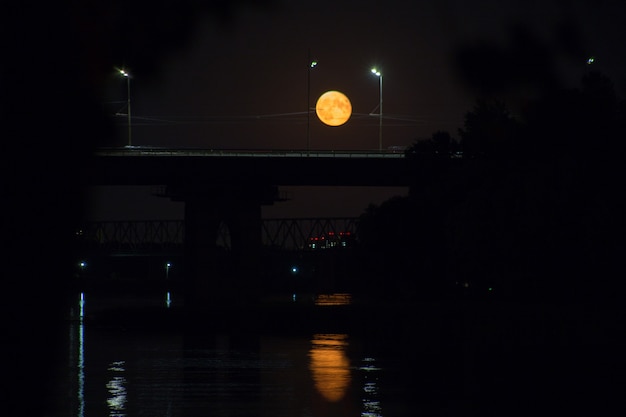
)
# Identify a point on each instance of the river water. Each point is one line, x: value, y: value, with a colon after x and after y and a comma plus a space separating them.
x: 434, y: 364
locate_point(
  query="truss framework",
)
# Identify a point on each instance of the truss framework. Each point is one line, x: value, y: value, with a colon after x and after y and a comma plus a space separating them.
x: 159, y: 235
x: 299, y: 233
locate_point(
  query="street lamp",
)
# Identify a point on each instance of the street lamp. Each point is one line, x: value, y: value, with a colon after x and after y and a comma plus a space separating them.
x: 168, y: 265
x: 310, y: 65
x: 126, y: 74
x: 380, y: 109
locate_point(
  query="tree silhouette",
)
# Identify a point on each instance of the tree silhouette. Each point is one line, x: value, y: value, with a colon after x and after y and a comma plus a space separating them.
x: 489, y: 129
x: 533, y: 208
x: 523, y: 63
x: 443, y: 142
x: 441, y: 145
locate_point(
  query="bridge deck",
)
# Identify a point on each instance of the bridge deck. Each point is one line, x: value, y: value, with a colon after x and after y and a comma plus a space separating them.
x: 206, y: 167
x: 191, y: 152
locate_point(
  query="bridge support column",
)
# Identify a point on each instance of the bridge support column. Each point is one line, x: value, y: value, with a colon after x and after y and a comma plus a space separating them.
x: 200, y: 253
x: 216, y: 276
x: 244, y: 223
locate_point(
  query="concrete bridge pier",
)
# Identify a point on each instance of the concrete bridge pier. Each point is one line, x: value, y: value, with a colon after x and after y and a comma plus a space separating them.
x: 216, y: 276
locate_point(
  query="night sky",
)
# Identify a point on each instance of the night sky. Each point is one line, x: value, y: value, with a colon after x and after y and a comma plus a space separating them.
x: 241, y: 82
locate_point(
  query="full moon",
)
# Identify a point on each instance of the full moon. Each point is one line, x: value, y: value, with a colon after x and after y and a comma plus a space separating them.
x: 333, y: 108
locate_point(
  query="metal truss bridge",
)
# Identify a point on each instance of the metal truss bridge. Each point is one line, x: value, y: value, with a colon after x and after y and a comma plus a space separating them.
x: 167, y: 236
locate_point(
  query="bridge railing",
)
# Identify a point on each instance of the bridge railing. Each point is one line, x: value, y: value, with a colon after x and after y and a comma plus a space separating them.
x: 276, y: 153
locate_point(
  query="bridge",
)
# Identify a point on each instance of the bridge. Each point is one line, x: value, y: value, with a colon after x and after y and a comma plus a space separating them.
x: 226, y: 189
x: 168, y: 236
x: 153, y: 166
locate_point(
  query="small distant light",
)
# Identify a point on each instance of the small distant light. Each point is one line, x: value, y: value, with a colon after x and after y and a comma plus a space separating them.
x: 490, y: 289
x: 293, y: 296
x: 168, y: 264
x: 591, y: 60
x: 82, y: 264
x: 313, y: 64
x: 294, y: 269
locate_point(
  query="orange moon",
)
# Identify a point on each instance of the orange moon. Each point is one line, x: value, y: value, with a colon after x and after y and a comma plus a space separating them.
x: 333, y: 108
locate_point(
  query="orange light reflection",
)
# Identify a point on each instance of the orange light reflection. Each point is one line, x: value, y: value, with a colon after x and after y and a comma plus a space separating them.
x: 338, y: 299
x: 329, y: 365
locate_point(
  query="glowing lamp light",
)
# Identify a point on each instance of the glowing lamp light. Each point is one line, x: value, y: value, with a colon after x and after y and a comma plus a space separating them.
x: 126, y: 75
x: 333, y: 108
x: 379, y: 74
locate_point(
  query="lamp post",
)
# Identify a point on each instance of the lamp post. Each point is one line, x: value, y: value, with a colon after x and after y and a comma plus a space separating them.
x: 168, y: 296
x: 126, y: 74
x: 310, y: 65
x: 380, y: 109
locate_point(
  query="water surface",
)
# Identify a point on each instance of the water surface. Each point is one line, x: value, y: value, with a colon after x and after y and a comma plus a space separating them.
x: 438, y: 360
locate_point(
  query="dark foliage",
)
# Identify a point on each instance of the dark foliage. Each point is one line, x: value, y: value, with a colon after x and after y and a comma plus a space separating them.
x: 533, y: 210
x: 489, y: 130
x: 521, y: 62
x: 440, y: 145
